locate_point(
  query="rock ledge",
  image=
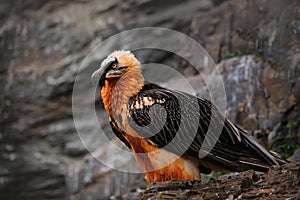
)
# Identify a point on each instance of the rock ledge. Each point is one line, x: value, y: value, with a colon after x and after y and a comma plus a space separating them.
x: 278, y: 183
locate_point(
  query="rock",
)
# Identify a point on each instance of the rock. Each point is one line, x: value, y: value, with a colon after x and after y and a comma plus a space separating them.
x: 43, y: 43
x: 296, y: 156
x: 272, y: 137
x: 278, y: 183
x: 103, y: 168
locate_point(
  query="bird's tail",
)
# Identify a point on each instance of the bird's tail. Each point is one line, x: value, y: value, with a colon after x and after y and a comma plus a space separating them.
x: 263, y: 159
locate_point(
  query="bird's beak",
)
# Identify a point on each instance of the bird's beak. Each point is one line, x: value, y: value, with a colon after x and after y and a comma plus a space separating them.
x: 96, y: 76
x: 101, y: 74
x: 117, y: 72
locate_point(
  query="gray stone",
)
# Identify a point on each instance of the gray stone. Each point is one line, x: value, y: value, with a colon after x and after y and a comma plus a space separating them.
x: 43, y: 43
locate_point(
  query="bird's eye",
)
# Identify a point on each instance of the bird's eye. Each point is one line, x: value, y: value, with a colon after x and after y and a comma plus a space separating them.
x: 114, y: 65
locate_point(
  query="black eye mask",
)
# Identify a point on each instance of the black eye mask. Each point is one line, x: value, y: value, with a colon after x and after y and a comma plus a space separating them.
x: 103, y: 74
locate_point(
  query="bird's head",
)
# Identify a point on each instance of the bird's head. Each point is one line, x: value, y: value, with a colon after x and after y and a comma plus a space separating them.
x: 115, y: 66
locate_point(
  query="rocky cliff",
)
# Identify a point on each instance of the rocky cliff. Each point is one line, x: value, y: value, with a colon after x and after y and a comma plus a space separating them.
x: 43, y: 43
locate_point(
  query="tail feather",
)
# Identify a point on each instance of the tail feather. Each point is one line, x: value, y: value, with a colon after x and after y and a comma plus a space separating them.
x: 264, y: 158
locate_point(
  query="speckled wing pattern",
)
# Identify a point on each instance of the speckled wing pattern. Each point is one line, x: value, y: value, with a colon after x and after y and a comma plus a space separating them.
x: 178, y: 122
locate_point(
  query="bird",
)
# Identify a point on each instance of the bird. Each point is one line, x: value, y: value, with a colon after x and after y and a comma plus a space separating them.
x: 165, y: 129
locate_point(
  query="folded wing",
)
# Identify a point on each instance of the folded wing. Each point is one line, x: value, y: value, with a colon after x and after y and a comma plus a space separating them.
x: 180, y: 123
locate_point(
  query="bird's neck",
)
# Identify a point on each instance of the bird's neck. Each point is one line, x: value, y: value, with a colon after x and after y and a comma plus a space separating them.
x: 116, y: 92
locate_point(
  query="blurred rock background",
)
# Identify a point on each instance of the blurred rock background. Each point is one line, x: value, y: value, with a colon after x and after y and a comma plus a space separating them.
x: 256, y: 44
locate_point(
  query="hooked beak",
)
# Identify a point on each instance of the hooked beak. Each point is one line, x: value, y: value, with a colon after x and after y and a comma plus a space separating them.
x: 99, y: 76
x: 96, y: 76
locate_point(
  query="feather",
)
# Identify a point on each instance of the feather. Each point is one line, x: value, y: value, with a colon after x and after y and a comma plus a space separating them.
x: 181, y: 134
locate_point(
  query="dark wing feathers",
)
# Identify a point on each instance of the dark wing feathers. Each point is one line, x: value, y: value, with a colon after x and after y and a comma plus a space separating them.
x: 118, y: 132
x: 167, y: 118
